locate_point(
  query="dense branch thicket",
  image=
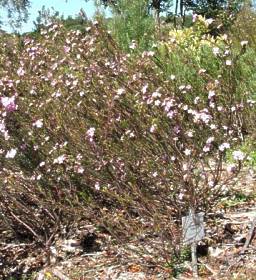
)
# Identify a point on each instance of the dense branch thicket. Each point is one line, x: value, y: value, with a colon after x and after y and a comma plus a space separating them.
x: 87, y: 129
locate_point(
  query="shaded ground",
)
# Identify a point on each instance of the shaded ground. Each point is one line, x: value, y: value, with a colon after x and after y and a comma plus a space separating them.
x: 223, y: 254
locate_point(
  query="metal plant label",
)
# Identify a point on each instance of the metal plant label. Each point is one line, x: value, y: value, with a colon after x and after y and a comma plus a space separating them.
x: 193, y: 228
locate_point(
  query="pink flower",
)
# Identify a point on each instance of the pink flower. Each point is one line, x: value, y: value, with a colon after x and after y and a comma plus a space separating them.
x: 153, y: 128
x: 38, y: 123
x: 90, y: 133
x: 228, y: 62
x: 60, y: 159
x: 42, y: 164
x: 20, y: 72
x: 231, y: 168
x: 187, y: 152
x: 238, y: 155
x: 9, y: 103
x: 11, y: 154
x: 80, y: 170
x: 224, y: 146
x: 196, y: 100
x: 176, y: 129
x: 133, y: 45
x: 97, y: 186
x: 120, y: 91
x: 66, y: 49
x: 144, y: 89
x: 211, y: 94
x: 210, y: 140
x: 207, y: 148
x: 216, y: 50
x: 194, y: 17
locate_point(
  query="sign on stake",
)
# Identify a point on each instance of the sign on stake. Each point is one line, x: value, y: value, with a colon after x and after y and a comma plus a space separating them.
x: 193, y: 231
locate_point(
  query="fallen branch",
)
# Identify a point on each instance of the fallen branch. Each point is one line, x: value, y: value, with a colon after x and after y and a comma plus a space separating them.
x: 246, y: 245
x: 26, y: 226
x: 249, y: 236
x: 59, y: 274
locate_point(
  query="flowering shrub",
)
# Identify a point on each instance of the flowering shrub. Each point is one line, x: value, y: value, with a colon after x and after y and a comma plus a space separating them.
x: 84, y: 125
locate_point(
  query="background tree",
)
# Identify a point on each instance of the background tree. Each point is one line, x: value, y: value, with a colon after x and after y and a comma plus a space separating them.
x: 131, y: 21
x: 17, y: 11
x: 212, y: 8
x: 156, y: 6
x: 46, y: 16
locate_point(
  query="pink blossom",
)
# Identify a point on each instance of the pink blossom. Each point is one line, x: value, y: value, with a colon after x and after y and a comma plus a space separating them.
x: 11, y: 153
x: 157, y: 102
x: 144, y: 89
x: 171, y: 114
x: 194, y: 17
x: 20, y: 72
x: 153, y: 128
x: 216, y: 50
x: 231, y: 168
x: 196, y: 100
x: 190, y: 133
x: 80, y: 170
x: 238, y: 155
x: 210, y: 140
x: 176, y: 129
x: 66, y: 49
x: 38, y: 123
x: 90, y: 133
x: 187, y: 152
x: 203, y: 116
x: 211, y: 94
x: 133, y: 45
x: 228, y: 62
x: 9, y: 103
x: 154, y: 174
x: 97, y: 186
x: 42, y: 164
x: 120, y: 91
x: 207, y: 148
x: 201, y: 71
x: 224, y: 146
x: 60, y: 159
x: 211, y: 183
x: 156, y: 94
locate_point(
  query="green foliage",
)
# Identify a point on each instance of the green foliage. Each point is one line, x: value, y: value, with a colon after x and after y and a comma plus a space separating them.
x: 211, y: 54
x: 133, y: 22
x: 176, y: 263
x: 244, y: 26
x: 249, y: 149
x: 236, y: 199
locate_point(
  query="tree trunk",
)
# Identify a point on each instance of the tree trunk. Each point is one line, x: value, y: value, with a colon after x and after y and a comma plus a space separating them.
x: 156, y: 6
x: 176, y: 13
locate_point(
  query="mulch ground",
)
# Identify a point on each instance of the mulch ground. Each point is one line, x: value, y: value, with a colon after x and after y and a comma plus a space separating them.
x: 227, y: 252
